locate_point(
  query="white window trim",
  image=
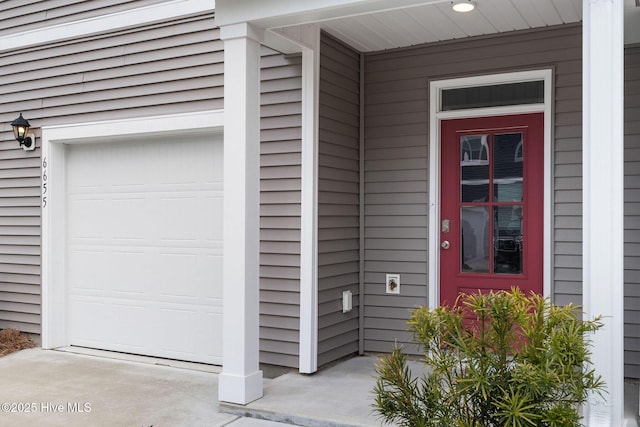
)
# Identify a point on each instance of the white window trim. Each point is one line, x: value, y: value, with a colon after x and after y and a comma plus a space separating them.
x: 110, y: 22
x: 436, y: 116
x: 54, y: 139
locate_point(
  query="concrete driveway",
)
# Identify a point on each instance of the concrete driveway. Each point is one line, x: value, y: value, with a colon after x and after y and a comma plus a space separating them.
x: 53, y: 388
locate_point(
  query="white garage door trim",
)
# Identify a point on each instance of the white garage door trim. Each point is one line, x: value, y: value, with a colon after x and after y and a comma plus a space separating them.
x: 54, y: 298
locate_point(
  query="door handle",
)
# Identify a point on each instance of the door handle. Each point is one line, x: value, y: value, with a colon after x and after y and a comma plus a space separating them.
x: 445, y: 244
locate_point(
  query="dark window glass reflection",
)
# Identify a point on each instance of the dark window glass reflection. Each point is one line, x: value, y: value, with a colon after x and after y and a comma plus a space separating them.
x: 507, y: 167
x: 474, y: 168
x: 507, y: 239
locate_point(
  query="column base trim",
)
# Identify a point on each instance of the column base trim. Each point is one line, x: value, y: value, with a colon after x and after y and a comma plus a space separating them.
x: 240, y: 389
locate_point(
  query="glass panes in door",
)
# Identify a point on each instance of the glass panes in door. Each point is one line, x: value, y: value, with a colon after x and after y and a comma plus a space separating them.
x: 491, y: 203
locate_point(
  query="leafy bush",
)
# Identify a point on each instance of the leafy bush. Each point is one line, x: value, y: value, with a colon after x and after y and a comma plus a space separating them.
x: 497, y: 359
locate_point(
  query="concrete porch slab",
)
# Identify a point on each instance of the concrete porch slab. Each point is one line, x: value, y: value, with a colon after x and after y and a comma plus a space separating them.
x: 341, y: 396
x: 338, y: 396
x: 53, y: 388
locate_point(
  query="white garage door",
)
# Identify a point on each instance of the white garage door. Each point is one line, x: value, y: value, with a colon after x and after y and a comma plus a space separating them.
x: 144, y: 247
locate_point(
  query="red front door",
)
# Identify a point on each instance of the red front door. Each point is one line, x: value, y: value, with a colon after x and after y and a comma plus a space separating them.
x: 491, y: 219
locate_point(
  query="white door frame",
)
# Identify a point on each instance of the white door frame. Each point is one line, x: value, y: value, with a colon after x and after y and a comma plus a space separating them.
x: 436, y: 116
x: 54, y: 139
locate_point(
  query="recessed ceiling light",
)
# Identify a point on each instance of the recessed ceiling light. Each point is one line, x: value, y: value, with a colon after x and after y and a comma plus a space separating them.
x: 463, y: 5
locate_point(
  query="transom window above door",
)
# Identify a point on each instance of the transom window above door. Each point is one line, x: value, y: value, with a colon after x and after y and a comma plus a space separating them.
x: 497, y: 95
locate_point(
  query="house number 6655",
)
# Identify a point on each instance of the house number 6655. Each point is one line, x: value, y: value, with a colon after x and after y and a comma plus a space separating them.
x: 44, y: 182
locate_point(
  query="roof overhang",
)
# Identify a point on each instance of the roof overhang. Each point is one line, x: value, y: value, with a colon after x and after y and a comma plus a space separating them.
x: 375, y: 25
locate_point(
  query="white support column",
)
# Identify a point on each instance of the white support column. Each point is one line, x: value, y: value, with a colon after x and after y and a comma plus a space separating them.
x: 241, y: 379
x: 309, y: 203
x: 603, y: 229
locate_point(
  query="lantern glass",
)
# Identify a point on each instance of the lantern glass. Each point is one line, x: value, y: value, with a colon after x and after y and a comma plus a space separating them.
x: 19, y: 132
x: 20, y: 128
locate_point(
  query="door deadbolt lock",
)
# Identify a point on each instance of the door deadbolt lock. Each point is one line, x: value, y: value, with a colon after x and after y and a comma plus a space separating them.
x: 445, y: 244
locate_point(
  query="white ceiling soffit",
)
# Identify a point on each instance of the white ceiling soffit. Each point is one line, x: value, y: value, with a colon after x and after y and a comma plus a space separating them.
x: 427, y: 23
x: 437, y: 22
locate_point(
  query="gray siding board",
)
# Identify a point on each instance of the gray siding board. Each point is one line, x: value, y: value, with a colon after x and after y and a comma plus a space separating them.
x: 335, y: 269
x: 289, y: 96
x: 106, y: 53
x: 278, y: 259
x: 337, y: 323
x: 337, y: 175
x: 338, y: 199
x: 279, y: 297
x: 279, y: 335
x: 278, y: 359
x: 280, y: 235
x: 281, y: 85
x: 280, y: 285
x: 337, y: 281
x: 281, y: 246
x: 632, y: 213
x: 21, y: 15
x: 279, y: 347
x: 131, y: 75
x: 287, y: 146
x: 280, y: 169
x: 333, y: 246
x: 281, y: 172
x: 396, y: 166
x: 338, y: 149
x: 276, y: 309
x: 280, y: 159
x: 279, y: 272
x: 290, y: 323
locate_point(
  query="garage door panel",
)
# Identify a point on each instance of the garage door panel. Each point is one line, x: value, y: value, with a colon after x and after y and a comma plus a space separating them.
x: 145, y: 248
x: 179, y: 275
x: 181, y: 322
x: 176, y: 218
x: 79, y: 211
x: 114, y: 334
x: 156, y: 273
x: 90, y: 272
x: 122, y: 218
x: 124, y: 333
x: 214, y: 265
x: 198, y: 340
x: 108, y: 271
x: 213, y: 229
x: 127, y: 273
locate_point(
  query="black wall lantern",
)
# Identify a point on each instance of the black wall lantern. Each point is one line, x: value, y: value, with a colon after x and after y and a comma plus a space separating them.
x: 21, y: 132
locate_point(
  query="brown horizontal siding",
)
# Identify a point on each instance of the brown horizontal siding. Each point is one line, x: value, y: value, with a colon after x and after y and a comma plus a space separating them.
x: 338, y: 199
x: 280, y: 168
x: 396, y: 162
x: 163, y: 68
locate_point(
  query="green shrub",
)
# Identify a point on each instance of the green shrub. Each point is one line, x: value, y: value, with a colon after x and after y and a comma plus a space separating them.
x: 497, y: 359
